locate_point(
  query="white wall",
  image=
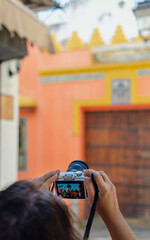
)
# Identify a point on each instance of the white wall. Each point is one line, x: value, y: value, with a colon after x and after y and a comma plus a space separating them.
x: 9, y: 128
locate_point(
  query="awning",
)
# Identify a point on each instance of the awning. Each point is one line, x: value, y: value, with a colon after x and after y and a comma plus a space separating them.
x: 26, y: 102
x: 39, y: 5
x: 19, y: 19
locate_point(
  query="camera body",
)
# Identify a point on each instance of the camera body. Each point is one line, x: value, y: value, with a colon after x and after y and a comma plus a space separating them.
x: 70, y: 184
x: 71, y: 176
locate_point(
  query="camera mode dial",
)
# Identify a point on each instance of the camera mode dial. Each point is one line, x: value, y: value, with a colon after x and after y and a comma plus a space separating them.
x: 79, y: 173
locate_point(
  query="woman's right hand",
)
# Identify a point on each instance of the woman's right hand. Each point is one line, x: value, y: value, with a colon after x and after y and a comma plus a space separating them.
x: 107, y: 205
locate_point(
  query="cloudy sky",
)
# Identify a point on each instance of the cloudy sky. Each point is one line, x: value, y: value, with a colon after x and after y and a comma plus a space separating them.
x: 103, y: 14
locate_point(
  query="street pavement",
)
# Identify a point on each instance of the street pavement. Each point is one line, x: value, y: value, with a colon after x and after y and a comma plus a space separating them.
x: 99, y: 231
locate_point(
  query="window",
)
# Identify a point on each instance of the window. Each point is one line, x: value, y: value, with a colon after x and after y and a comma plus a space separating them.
x: 22, y: 165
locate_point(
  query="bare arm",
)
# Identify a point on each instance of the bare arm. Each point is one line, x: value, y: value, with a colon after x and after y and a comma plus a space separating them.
x: 107, y: 206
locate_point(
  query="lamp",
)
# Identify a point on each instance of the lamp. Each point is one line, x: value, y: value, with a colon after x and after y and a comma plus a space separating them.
x: 15, y: 71
x: 142, y: 13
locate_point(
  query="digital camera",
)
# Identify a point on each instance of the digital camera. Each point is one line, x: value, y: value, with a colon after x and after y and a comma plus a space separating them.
x: 70, y: 184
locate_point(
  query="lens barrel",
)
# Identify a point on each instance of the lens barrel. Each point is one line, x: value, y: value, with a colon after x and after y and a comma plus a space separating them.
x: 77, y: 165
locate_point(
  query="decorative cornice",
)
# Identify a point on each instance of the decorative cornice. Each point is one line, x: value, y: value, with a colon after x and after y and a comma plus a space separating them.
x: 57, y: 45
x: 119, y: 36
x: 124, y: 52
x: 96, y: 39
x: 75, y: 42
x: 138, y: 39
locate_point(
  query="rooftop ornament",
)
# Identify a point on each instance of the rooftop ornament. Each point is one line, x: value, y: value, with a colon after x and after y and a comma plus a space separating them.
x: 142, y: 13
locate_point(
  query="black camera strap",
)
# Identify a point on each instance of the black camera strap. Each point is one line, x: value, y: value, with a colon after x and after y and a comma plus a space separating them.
x: 52, y: 188
x: 92, y: 212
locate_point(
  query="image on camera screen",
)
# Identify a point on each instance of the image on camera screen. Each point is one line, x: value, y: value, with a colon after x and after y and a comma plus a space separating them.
x: 70, y: 189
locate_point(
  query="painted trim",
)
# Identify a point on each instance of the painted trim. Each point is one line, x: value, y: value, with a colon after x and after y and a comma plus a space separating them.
x: 97, y: 68
x: 129, y: 107
x: 135, y: 101
x: 78, y: 106
x: 144, y: 72
x: 72, y: 77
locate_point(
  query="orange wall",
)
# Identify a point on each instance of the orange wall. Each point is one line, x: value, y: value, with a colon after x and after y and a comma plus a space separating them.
x: 50, y: 139
x: 144, y: 86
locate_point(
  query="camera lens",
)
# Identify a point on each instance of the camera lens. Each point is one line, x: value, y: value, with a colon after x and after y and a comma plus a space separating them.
x: 77, y: 165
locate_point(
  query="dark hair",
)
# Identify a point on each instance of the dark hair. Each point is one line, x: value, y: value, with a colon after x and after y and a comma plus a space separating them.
x: 27, y: 213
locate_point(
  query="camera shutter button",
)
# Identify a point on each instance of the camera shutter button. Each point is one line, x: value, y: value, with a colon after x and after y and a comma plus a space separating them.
x: 79, y: 173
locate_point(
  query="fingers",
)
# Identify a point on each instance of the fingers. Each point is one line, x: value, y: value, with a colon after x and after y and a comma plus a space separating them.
x: 88, y: 173
x: 48, y: 175
x: 44, y: 182
x: 105, y: 177
x: 89, y: 187
x: 98, y: 178
x: 49, y: 182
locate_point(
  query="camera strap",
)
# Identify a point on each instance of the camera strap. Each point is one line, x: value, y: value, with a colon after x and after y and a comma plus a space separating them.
x: 92, y: 212
x: 52, y: 188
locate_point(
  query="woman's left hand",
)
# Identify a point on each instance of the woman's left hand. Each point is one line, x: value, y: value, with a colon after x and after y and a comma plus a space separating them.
x: 44, y: 182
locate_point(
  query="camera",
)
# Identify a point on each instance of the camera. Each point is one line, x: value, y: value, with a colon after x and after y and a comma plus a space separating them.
x: 70, y: 184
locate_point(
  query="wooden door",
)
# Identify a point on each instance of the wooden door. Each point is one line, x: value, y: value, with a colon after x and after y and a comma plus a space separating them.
x: 118, y: 142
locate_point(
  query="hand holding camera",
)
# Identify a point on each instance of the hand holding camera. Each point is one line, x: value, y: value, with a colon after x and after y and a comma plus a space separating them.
x: 44, y: 182
x: 76, y: 183
x: 107, y: 205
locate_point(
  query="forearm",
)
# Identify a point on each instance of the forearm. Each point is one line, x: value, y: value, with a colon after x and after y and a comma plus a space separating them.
x: 119, y: 229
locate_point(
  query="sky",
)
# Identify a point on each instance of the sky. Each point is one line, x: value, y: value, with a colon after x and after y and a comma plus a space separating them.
x: 113, y: 16
x: 63, y: 2
x: 51, y: 16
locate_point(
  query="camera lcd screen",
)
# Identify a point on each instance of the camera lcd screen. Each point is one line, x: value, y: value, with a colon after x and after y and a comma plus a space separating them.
x: 70, y: 189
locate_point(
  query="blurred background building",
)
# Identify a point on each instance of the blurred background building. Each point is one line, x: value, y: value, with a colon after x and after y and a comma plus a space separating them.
x: 88, y: 100
x: 17, y: 25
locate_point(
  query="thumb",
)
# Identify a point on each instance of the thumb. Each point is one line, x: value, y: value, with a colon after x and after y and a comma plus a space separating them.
x: 49, y: 182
